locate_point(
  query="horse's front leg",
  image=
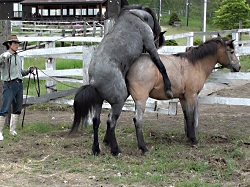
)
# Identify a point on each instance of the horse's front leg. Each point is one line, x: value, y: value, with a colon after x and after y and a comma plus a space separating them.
x: 96, y: 123
x: 138, y: 121
x: 190, y: 111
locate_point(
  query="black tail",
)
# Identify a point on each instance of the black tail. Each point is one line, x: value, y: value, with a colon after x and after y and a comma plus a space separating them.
x: 85, y: 99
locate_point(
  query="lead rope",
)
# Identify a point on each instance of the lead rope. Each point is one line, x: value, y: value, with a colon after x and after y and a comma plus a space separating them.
x: 27, y: 92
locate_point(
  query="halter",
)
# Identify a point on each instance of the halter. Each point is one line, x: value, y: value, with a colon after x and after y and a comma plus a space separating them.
x: 231, y: 64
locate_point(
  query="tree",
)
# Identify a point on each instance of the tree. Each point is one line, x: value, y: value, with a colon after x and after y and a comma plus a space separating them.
x: 230, y: 13
x: 173, y: 18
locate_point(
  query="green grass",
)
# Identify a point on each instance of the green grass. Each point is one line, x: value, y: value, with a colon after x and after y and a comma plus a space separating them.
x: 60, y: 63
x: 245, y: 63
x: 167, y: 164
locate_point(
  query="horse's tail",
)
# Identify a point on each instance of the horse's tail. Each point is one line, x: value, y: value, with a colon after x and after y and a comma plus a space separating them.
x: 85, y: 99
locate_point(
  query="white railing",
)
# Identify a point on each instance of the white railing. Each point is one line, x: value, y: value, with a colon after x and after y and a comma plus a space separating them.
x: 73, y: 52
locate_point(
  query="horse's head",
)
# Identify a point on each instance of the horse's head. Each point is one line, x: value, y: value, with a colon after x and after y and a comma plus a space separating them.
x: 160, y: 41
x: 149, y: 17
x: 229, y: 59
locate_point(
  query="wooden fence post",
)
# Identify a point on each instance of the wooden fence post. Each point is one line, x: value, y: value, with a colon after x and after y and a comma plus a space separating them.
x: 84, y: 28
x: 63, y: 35
x: 87, y: 52
x: 73, y: 35
x: 94, y: 29
x: 5, y: 29
x: 108, y: 24
x: 50, y: 64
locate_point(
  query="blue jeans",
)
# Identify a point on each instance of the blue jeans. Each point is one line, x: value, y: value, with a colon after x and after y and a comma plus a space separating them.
x: 12, y: 95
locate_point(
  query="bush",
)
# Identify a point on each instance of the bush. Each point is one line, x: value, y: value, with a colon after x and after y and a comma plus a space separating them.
x: 171, y: 43
x: 173, y: 18
x: 197, y: 42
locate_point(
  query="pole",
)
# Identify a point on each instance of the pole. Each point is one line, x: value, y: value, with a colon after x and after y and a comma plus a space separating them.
x: 159, y: 12
x: 204, y: 20
x: 187, y: 11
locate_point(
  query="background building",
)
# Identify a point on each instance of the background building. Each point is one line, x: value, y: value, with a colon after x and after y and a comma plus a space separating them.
x: 61, y: 10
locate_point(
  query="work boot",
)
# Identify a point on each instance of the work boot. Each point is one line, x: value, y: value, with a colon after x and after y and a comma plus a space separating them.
x: 13, y: 123
x: 2, y: 122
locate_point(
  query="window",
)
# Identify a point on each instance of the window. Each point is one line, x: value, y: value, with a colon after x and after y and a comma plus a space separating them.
x: 84, y: 12
x: 55, y: 12
x: 78, y: 12
x: 17, y: 8
x: 33, y: 10
x: 45, y: 12
x: 64, y: 12
x: 71, y: 11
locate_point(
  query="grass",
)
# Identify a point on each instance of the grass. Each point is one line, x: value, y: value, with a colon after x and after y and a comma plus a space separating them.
x: 60, y: 65
x: 169, y: 163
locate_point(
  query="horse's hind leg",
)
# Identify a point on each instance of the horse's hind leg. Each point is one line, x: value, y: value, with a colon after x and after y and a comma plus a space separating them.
x: 106, y: 139
x: 138, y: 121
x: 110, y: 137
x: 96, y: 123
x: 151, y: 49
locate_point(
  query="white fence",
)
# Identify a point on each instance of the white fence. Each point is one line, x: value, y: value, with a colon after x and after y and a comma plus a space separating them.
x: 168, y: 106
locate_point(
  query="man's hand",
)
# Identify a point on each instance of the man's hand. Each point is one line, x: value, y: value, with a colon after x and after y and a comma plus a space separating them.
x: 31, y: 69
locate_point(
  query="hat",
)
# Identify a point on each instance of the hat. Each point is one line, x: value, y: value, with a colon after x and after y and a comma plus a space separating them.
x: 11, y: 38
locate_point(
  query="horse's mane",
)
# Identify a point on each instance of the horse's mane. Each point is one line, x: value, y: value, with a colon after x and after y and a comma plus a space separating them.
x: 157, y: 28
x: 209, y: 47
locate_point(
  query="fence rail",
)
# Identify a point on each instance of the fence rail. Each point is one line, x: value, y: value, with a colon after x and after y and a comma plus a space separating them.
x: 168, y: 106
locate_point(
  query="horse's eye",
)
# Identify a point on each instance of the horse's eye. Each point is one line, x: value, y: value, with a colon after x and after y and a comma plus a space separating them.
x: 232, y: 52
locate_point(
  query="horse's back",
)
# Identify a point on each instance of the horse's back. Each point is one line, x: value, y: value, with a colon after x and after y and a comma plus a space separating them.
x: 150, y: 80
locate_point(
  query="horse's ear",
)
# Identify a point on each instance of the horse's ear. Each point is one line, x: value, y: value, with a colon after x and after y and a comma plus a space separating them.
x: 230, y: 42
x: 163, y: 32
x: 161, y: 39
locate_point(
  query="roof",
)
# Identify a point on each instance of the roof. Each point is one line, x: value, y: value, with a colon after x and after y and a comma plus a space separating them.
x: 62, y: 2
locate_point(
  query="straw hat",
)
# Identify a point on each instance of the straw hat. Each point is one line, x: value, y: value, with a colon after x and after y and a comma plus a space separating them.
x: 11, y: 38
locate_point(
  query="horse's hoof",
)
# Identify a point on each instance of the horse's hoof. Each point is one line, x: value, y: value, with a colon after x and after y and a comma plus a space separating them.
x: 144, y: 153
x: 115, y: 152
x: 106, y: 143
x: 194, y: 142
x: 195, y: 146
x: 96, y: 151
x: 144, y: 150
x: 169, y: 94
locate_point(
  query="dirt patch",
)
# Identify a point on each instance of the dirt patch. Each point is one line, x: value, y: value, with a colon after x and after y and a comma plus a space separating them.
x: 219, y: 125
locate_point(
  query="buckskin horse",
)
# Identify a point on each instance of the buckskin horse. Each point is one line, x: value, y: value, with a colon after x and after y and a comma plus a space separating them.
x: 187, y: 71
x: 136, y: 29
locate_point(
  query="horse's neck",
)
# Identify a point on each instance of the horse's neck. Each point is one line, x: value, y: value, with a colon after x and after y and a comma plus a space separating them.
x: 207, y: 64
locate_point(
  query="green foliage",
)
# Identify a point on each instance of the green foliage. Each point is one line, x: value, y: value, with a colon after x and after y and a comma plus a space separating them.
x: 173, y: 18
x: 230, y: 13
x: 197, y: 42
x: 171, y: 43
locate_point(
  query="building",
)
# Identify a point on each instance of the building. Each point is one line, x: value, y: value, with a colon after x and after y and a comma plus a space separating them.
x: 61, y: 10
x: 10, y: 10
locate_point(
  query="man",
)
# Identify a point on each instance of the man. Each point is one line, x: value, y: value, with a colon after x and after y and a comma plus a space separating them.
x: 11, y: 75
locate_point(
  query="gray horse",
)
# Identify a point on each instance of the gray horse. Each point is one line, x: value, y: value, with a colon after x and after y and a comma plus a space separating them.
x: 136, y: 29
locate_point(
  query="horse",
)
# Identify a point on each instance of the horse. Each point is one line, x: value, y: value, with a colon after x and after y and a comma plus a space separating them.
x: 188, y: 72
x: 135, y: 30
